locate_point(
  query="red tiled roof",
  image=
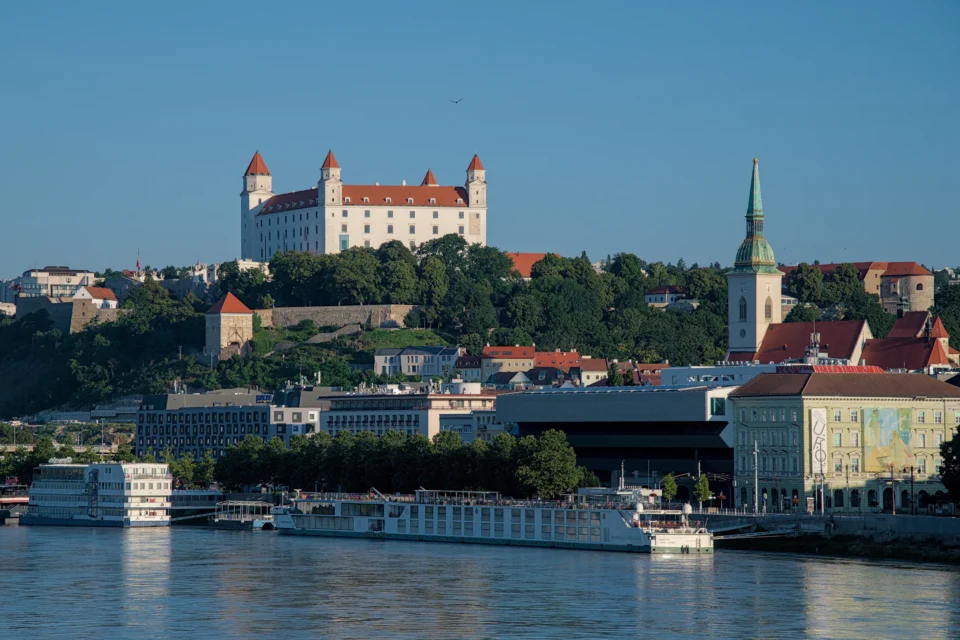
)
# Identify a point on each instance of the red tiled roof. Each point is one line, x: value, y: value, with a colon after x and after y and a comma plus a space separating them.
x: 429, y: 180
x: 290, y: 201
x: 789, y: 341
x: 500, y: 353
x: 904, y: 353
x: 866, y: 385
x: 905, y: 269
x: 562, y: 360
x: 938, y: 330
x: 910, y: 325
x: 828, y: 368
x: 523, y: 262
x: 666, y: 288
x: 229, y: 304
x: 257, y: 166
x: 330, y: 162
x: 475, y: 164
x: 593, y: 364
x: 101, y: 293
x: 398, y: 195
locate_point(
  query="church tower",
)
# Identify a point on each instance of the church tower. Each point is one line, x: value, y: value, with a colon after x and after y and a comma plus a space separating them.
x: 330, y: 187
x: 476, y: 183
x: 753, y: 285
x: 257, y: 189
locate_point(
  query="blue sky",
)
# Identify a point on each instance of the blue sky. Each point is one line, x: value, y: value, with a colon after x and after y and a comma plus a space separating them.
x: 606, y: 127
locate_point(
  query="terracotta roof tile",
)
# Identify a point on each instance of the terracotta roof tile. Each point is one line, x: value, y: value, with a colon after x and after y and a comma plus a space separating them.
x: 938, y: 330
x: 910, y: 325
x: 905, y: 269
x: 501, y: 353
x: 562, y: 360
x: 398, y: 195
x: 665, y: 288
x: 429, y: 180
x: 888, y: 268
x: 523, y: 262
x: 593, y: 364
x: 475, y: 164
x: 229, y: 304
x: 903, y: 353
x: 789, y: 341
x: 101, y: 293
x: 330, y: 162
x: 257, y: 166
x: 468, y: 362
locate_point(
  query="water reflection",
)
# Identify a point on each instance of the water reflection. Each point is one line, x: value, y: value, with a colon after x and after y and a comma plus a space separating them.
x: 192, y: 582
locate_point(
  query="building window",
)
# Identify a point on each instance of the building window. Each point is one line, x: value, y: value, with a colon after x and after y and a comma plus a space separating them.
x: 343, y: 228
x: 743, y: 415
x: 389, y: 228
x: 837, y: 415
x: 921, y: 417
x: 743, y: 309
x: 413, y: 214
x: 854, y: 416
x: 937, y: 417
x: 768, y: 309
x: 855, y: 464
x: 366, y: 243
x: 837, y: 439
x: 366, y: 228
x: 838, y: 465
x: 436, y: 230
x: 436, y: 214
x: 793, y: 416
x: 413, y: 245
x: 366, y: 213
x: 922, y: 440
x: 763, y: 418
x: 413, y: 229
x: 919, y: 286
x: 460, y: 231
x: 938, y: 439
x: 922, y: 466
x: 344, y: 213
x: 389, y: 214
x: 855, y: 439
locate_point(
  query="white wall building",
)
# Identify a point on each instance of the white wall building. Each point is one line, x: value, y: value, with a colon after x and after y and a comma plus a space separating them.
x: 411, y: 414
x: 335, y: 216
x: 55, y: 282
x: 416, y: 361
x: 480, y: 424
x: 101, y: 297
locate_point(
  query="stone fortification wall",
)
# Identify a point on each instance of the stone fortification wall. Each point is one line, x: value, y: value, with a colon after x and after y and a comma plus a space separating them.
x: 377, y: 315
x: 85, y: 313
x: 59, y: 309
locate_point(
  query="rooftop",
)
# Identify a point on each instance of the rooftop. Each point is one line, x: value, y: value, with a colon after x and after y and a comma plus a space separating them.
x: 863, y: 385
x: 229, y: 304
x: 789, y: 341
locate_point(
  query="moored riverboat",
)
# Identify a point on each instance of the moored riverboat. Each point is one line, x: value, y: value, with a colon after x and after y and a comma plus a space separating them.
x: 610, y: 520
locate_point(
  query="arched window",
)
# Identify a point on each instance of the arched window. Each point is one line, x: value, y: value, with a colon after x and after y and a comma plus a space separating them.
x: 872, y: 498
x: 838, y: 498
x: 768, y: 309
x: 743, y: 309
x: 919, y: 286
x: 743, y: 496
x: 855, y: 498
x: 904, y: 499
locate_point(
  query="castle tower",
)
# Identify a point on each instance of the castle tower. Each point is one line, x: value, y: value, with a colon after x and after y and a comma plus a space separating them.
x: 257, y: 189
x: 754, y: 283
x: 229, y: 329
x: 476, y: 183
x: 330, y: 185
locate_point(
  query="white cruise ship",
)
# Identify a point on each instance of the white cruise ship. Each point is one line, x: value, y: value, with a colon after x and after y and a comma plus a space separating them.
x: 107, y: 494
x: 609, y: 520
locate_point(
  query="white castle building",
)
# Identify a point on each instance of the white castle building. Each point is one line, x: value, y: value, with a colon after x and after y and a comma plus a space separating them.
x: 335, y: 216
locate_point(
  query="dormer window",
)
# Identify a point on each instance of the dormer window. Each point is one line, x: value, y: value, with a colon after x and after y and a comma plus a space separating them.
x: 387, y: 200
x: 409, y: 200
x: 433, y: 201
x: 366, y: 199
x: 347, y: 200
x: 459, y: 200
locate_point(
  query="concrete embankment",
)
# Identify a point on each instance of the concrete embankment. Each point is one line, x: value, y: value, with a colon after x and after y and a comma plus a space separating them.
x: 879, y: 547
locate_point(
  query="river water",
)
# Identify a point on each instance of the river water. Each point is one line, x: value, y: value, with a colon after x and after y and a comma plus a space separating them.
x: 186, y: 582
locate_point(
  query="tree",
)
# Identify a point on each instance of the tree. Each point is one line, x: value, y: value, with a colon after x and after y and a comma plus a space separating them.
x: 434, y: 285
x: 701, y: 490
x: 355, y: 276
x: 804, y: 313
x: 950, y: 467
x: 669, y: 484
x: 204, y: 470
x: 398, y: 282
x: 546, y: 466
x: 806, y: 283
x: 587, y: 478
x: 946, y: 306
x: 614, y: 377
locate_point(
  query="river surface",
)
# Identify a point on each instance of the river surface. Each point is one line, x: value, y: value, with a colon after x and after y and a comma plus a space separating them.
x: 186, y: 582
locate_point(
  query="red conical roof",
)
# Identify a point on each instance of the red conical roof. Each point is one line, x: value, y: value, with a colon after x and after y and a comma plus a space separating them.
x: 938, y: 330
x: 330, y: 162
x: 257, y: 166
x: 475, y: 164
x: 429, y: 180
x: 938, y: 355
x: 229, y: 304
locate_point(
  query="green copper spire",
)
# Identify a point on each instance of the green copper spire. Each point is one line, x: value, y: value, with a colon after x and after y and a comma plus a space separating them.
x: 755, y: 253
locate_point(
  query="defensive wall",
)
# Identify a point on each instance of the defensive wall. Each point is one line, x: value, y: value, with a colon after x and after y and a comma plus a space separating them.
x: 376, y: 315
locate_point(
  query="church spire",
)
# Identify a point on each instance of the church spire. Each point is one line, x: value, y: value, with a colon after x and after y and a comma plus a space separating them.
x: 755, y: 253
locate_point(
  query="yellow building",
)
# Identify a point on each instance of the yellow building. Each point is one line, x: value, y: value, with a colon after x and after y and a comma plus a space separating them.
x: 857, y: 439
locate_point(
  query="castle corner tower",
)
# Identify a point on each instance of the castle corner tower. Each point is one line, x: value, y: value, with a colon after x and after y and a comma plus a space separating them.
x: 754, y: 283
x: 257, y: 189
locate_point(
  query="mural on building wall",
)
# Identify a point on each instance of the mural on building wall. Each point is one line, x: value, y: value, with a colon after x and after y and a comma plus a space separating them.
x: 818, y: 441
x: 887, y: 439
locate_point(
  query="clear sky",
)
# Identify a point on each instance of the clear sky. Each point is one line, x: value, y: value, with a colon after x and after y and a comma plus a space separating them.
x: 603, y: 127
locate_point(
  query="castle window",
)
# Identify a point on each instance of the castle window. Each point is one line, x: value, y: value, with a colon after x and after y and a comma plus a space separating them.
x: 366, y: 243
x: 345, y: 214
x: 433, y: 201
x: 413, y: 214
x: 413, y: 229
x: 919, y: 286
x: 389, y: 214
x: 768, y: 309
x: 461, y: 215
x: 436, y: 230
x: 366, y: 214
x: 459, y: 200
x: 387, y: 200
x: 436, y: 214
x: 347, y: 200
x: 409, y: 200
x: 366, y: 228
x: 389, y: 228
x: 743, y: 309
x: 366, y: 199
x: 460, y: 229
x: 343, y: 228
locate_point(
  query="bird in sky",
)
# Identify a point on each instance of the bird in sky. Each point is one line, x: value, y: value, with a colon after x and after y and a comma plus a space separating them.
x: 456, y: 101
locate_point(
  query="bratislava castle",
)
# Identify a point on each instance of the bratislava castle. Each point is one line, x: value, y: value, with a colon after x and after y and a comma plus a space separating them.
x: 335, y: 216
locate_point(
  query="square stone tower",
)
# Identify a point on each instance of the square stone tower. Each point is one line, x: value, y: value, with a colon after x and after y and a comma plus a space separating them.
x: 229, y: 329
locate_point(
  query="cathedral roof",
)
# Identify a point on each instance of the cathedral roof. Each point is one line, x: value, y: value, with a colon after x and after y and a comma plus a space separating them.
x: 904, y: 353
x: 938, y: 330
x: 429, y: 180
x: 909, y: 325
x: 330, y: 162
x: 789, y: 341
x: 257, y: 166
x: 475, y: 164
x: 229, y: 304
